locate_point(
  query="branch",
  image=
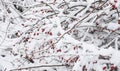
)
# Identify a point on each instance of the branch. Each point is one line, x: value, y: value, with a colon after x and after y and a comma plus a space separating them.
x: 37, y: 67
x: 73, y: 27
x: 5, y: 34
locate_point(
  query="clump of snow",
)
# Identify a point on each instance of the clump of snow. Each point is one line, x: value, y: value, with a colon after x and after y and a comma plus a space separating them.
x: 113, y: 26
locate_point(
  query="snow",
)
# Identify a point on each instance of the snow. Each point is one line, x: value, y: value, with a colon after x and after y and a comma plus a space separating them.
x: 113, y: 26
x: 59, y: 35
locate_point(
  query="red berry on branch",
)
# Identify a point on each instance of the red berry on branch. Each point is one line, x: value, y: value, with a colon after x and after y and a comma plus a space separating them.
x: 37, y: 33
x: 43, y: 30
x: 51, y: 41
x: 50, y: 33
x: 114, y: 6
x: 104, y: 68
x: 42, y: 1
x: 59, y: 50
x: 113, y: 30
x: 115, y: 1
x: 119, y: 21
x: 113, y: 67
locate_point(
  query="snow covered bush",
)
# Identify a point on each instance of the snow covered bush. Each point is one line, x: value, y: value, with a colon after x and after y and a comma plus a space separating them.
x: 60, y: 35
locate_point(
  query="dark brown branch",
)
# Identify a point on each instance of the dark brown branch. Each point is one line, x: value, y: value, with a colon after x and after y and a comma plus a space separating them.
x: 117, y: 12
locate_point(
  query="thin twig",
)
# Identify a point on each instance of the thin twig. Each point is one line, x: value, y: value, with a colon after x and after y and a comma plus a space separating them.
x: 37, y: 67
x: 5, y: 35
x: 73, y: 27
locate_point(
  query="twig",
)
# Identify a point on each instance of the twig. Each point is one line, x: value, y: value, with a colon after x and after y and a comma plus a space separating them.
x: 37, y: 67
x: 73, y: 27
x: 5, y: 35
x: 117, y: 12
x: 107, y: 45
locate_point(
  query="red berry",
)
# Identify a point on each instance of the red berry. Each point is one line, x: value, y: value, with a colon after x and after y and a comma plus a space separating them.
x: 43, y: 30
x: 22, y: 24
x: 115, y: 1
x: 37, y: 33
x: 114, y: 6
x: 42, y: 1
x: 84, y: 68
x: 50, y: 33
x: 113, y: 67
x: 104, y: 68
x: 119, y: 21
x: 51, y: 41
x: 113, y: 30
x: 59, y: 50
